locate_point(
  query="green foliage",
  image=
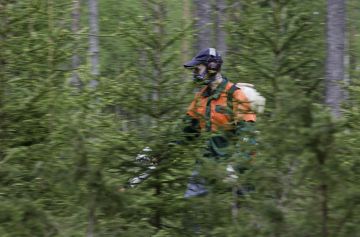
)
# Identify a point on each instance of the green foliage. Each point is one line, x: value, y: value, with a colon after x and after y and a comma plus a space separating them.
x: 67, y: 154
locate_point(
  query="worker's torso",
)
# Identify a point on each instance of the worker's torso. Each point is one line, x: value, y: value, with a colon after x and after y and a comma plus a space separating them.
x: 213, y: 109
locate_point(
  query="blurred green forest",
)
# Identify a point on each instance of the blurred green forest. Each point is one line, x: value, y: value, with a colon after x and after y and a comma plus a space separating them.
x: 85, y: 86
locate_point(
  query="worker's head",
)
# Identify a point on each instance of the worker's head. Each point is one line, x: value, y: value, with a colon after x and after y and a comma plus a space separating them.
x: 205, y: 65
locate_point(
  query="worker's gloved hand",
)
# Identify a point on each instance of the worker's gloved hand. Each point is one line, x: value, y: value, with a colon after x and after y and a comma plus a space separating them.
x: 191, y: 128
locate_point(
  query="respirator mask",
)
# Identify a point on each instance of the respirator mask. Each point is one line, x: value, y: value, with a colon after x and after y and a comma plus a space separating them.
x: 204, y: 76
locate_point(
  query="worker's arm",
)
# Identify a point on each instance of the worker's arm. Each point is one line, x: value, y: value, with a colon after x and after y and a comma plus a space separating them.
x: 191, y: 127
x: 191, y: 121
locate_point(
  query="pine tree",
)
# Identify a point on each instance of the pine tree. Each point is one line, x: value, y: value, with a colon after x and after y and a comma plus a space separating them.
x: 335, y: 54
x: 203, y: 18
x: 66, y: 150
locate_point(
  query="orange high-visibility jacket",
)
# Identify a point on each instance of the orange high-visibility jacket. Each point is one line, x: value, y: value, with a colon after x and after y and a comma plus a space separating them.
x: 215, y: 112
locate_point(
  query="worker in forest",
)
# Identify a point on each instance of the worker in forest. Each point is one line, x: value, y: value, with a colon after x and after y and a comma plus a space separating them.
x: 224, y: 110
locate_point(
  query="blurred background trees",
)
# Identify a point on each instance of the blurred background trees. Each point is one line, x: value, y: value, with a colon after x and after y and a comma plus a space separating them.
x: 68, y: 147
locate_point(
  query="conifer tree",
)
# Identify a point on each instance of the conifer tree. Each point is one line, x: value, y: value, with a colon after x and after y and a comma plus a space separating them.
x: 204, y: 20
x: 66, y: 150
x: 335, y: 71
x: 281, y: 50
x: 75, y: 27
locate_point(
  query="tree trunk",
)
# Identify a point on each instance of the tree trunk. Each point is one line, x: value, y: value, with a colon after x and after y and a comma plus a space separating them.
x: 203, y: 21
x: 91, y: 221
x: 185, y: 41
x: 94, y: 40
x: 75, y: 26
x: 335, y: 55
x: 324, y: 209
x: 234, y: 15
x: 220, y: 34
x: 352, y: 42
